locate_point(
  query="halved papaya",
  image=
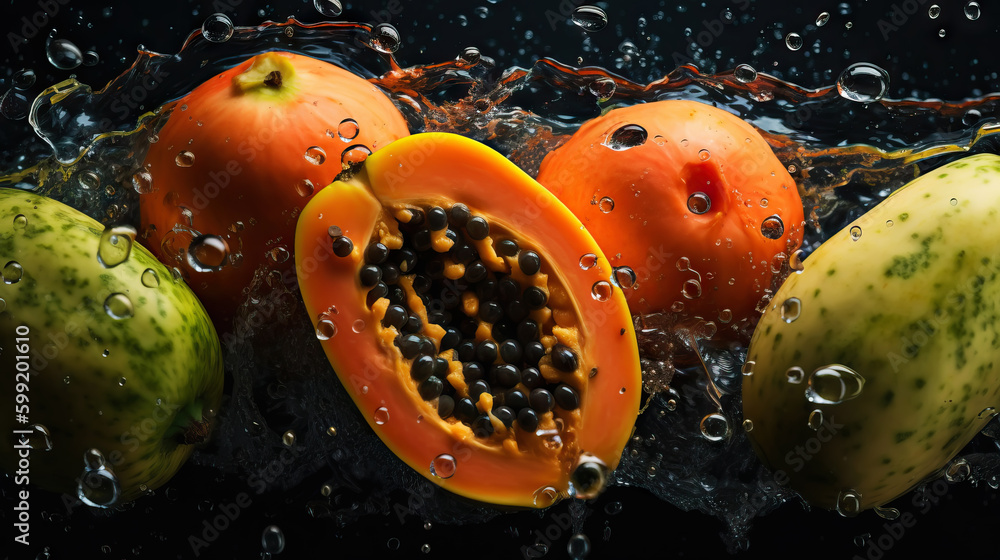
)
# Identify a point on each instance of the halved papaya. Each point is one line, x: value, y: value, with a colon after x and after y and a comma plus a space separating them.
x: 473, y: 320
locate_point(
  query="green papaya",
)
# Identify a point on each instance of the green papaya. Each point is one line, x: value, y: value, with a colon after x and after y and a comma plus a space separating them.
x: 880, y: 359
x: 112, y: 366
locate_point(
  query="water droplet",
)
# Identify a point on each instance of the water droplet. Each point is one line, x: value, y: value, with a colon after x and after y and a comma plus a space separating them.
x: 329, y: 8
x: 315, y: 155
x: 98, y: 487
x: 12, y: 272
x: 381, y: 415
x: 66, y: 380
x: 971, y: 117
x: 885, y: 513
x: 23, y: 79
x: 118, y: 306
x: 624, y: 276
x: 601, y: 290
x: 578, y: 546
x: 20, y: 221
x: 704, y: 155
x: 748, y: 425
x: 305, y: 188
x: 471, y: 55
x: 606, y: 204
x: 699, y: 203
x: 62, y: 54
x: 626, y: 136
x: 443, y: 466
x: 933, y: 11
x: 207, y: 253
x: 355, y: 155
x: 142, y: 181
x: 795, y: 374
x: 793, y: 41
x: 855, y: 233
x: 772, y: 227
x: 748, y: 367
x: 590, y: 18
x: 425, y: 548
x: 745, y: 73
x: 545, y: 497
x: 358, y: 326
x: 822, y: 19
x: 218, y: 28
x: 815, y: 419
x: 953, y: 202
x: 325, y: 327
x: 603, y: 88
x: 958, y: 470
x: 942, y: 33
x: 272, y: 540
x: 725, y: 316
x: 184, y: 159
x: 115, y: 245
x: 385, y: 39
x: 348, y: 130
x: 888, y: 223
x: 288, y: 438
x: 714, y: 427
x: 331, y: 431
x: 988, y: 412
x: 848, y: 503
x: 972, y: 10
x: 834, y: 384
x: 863, y: 82
x: 795, y: 262
x: 40, y: 438
x: 91, y: 58
x: 588, y: 261
x: 691, y: 289
x: 790, y: 309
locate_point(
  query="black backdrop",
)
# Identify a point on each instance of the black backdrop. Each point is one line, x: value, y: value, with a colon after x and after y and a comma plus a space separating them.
x: 899, y: 36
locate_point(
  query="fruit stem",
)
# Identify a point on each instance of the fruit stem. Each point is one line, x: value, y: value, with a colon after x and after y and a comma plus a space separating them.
x: 270, y: 74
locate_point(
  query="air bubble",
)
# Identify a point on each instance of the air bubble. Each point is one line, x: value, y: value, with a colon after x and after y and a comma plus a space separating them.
x: 471, y: 55
x: 606, y: 204
x: 848, y: 503
x: 315, y: 155
x: 863, y: 82
x: 578, y: 547
x: 115, y: 245
x: 149, y: 278
x: 545, y: 497
x: 272, y: 540
x: 381, y: 415
x: 793, y: 41
x: 704, y: 155
x: 748, y: 425
x: 40, y: 438
x: 815, y: 420
x: 714, y: 427
x: 772, y: 227
x: 971, y: 117
x: 942, y: 33
x: 14, y: 105
x: 208, y: 253
x: 603, y: 88
x: 98, y: 486
x: 958, y: 471
x: 855, y: 233
x: 329, y: 8
x: 218, y: 28
x: 590, y: 18
x: 385, y: 39
x: 358, y: 326
x: 305, y: 188
x: 745, y: 73
x: 443, y: 466
x: 184, y: 159
x: 601, y: 290
x: 748, y: 368
x: 118, y: 306
x: 795, y: 374
x: 691, y: 289
x: 626, y: 136
x: 822, y: 19
x: 23, y: 79
x: 934, y: 11
x: 972, y: 11
x: 699, y: 203
x: 142, y: 181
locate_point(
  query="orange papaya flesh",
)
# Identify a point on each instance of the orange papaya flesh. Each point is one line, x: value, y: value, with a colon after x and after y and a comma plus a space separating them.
x: 473, y: 321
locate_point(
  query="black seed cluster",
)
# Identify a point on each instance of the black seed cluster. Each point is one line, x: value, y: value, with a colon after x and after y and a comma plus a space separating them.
x: 505, y: 366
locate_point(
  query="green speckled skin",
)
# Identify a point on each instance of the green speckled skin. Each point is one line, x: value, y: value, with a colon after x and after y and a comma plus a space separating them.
x: 913, y: 307
x: 167, y: 351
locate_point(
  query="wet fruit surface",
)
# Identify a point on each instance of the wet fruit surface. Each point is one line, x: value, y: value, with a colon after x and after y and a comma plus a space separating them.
x: 690, y: 199
x: 241, y: 155
x: 446, y: 289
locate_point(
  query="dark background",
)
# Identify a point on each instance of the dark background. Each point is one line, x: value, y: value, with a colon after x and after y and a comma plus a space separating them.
x: 899, y: 36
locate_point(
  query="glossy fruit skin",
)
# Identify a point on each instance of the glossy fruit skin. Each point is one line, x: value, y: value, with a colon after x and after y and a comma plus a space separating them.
x: 436, y: 168
x: 906, y: 296
x: 714, y: 265
x: 128, y: 386
x: 250, y: 175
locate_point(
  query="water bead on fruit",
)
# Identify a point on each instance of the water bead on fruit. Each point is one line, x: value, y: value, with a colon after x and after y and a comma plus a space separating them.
x: 626, y: 136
